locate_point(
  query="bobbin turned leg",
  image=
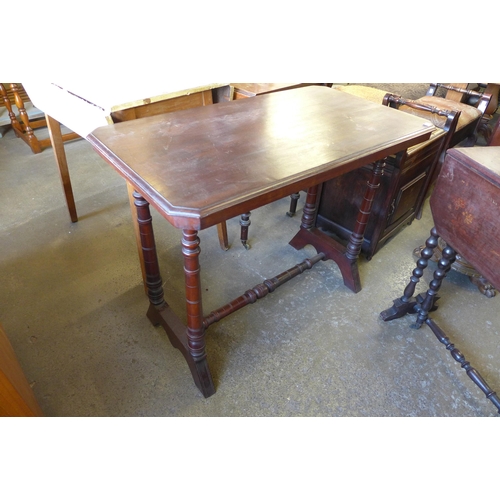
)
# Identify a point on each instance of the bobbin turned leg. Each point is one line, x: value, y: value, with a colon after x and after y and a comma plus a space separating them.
x: 190, y: 341
x: 444, y: 265
x: 404, y: 305
x: 195, y: 329
x: 358, y: 233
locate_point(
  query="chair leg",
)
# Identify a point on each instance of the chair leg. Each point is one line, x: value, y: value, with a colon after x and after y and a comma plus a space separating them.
x: 244, y: 223
x: 58, y: 147
x: 222, y: 232
x: 294, y: 198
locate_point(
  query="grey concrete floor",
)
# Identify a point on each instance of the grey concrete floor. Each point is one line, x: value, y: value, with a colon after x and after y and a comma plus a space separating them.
x: 73, y: 305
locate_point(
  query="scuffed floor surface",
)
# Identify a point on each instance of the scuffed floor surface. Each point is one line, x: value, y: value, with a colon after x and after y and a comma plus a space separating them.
x: 73, y: 305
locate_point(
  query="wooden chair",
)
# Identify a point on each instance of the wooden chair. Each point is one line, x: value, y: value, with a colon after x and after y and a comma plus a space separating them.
x: 471, y: 118
x: 472, y: 115
x: 14, y: 96
x: 471, y: 104
x: 404, y: 186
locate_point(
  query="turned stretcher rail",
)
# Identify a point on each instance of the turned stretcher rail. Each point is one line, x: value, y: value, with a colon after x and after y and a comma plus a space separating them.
x: 261, y: 290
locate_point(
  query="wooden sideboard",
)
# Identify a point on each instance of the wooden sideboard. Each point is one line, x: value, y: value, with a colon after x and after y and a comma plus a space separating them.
x: 399, y: 199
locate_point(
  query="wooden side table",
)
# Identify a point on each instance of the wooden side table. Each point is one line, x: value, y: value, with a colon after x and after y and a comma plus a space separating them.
x: 466, y: 210
x: 240, y: 156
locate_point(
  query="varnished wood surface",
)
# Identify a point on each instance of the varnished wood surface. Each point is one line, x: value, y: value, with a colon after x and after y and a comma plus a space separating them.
x: 244, y: 90
x: 466, y: 209
x: 201, y: 166
x: 16, y: 396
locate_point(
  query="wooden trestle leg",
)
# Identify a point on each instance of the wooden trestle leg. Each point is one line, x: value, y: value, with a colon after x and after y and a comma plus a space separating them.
x: 190, y: 341
x: 345, y: 257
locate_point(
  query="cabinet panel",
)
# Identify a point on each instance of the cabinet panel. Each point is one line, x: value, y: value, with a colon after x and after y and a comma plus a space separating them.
x: 397, y: 201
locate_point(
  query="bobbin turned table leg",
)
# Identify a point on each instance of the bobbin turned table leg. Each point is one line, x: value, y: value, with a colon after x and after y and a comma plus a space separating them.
x: 190, y: 341
x: 406, y: 304
x: 346, y: 257
x: 195, y: 329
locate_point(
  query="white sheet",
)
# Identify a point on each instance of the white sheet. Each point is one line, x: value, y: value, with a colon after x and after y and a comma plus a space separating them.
x: 83, y: 108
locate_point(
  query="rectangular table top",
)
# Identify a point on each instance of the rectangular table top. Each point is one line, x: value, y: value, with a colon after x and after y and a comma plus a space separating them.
x: 204, y: 165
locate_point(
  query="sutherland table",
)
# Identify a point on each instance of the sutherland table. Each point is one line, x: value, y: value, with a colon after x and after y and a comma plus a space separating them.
x: 202, y: 166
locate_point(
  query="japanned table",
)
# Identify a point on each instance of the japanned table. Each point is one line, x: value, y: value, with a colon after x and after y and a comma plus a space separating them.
x: 202, y: 166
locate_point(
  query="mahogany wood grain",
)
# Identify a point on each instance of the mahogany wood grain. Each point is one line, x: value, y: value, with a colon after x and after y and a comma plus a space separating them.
x: 407, y: 178
x: 57, y: 140
x: 466, y: 209
x: 166, y: 106
x: 494, y: 139
x: 16, y: 396
x: 202, y: 166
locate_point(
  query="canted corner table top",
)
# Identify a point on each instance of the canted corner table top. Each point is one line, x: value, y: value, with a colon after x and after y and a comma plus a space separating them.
x: 204, y: 165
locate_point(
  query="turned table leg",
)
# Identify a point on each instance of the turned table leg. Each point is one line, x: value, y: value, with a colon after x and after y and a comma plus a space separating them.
x: 294, y: 198
x: 405, y: 305
x: 358, y: 233
x: 444, y: 266
x: 195, y: 329
x: 191, y: 340
x: 346, y: 257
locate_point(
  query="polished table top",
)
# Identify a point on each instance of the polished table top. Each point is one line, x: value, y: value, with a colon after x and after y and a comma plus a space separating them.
x: 204, y: 165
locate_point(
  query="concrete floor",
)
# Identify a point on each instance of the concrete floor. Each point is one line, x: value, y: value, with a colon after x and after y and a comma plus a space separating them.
x: 73, y: 305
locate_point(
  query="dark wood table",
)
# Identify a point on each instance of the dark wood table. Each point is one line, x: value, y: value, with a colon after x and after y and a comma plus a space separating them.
x: 203, y: 166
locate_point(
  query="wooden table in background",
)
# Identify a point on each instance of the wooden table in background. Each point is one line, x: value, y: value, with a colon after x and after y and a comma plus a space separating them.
x: 83, y: 108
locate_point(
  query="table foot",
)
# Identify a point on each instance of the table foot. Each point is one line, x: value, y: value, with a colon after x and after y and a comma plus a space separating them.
x: 332, y: 250
x: 483, y: 285
x: 176, y: 332
x: 189, y: 340
x: 398, y: 310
